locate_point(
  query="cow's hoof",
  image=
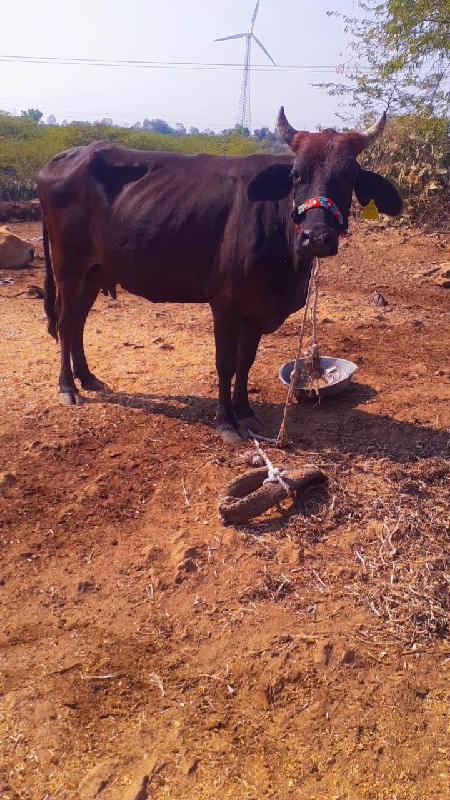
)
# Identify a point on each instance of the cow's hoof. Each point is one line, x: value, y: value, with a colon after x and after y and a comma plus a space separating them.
x: 252, y: 424
x: 70, y: 398
x: 230, y: 435
x: 94, y: 385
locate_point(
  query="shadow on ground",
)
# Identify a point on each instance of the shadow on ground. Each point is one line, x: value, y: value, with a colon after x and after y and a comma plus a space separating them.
x: 333, y: 423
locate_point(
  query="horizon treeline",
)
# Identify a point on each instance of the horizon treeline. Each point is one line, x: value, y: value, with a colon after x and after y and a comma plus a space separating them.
x: 414, y: 152
x: 27, y: 143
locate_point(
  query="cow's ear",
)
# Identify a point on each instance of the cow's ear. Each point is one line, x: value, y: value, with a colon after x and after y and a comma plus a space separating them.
x: 273, y: 183
x: 370, y: 186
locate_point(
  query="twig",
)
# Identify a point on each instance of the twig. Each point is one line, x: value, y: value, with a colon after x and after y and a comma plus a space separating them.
x: 185, y: 495
x: 107, y: 677
x: 154, y: 678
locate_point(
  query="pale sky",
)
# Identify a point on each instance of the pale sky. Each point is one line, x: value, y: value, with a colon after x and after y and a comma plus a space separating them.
x: 295, y: 32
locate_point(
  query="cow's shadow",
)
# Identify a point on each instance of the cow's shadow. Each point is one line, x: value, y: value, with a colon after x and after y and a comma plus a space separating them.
x: 335, y: 423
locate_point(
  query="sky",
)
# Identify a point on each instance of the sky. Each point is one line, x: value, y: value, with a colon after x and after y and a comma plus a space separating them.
x: 295, y: 32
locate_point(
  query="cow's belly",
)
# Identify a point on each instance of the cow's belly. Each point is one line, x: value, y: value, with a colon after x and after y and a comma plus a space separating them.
x: 159, y: 292
x: 156, y: 264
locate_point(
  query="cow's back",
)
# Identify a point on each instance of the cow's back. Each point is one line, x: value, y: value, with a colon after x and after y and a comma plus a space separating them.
x: 161, y: 224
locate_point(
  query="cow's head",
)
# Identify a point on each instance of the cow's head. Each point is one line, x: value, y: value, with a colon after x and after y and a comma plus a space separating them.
x: 323, y: 177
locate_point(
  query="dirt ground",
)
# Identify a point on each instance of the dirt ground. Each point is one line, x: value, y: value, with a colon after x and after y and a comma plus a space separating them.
x: 148, y: 650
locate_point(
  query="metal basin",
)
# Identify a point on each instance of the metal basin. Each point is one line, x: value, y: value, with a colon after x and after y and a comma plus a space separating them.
x: 338, y: 371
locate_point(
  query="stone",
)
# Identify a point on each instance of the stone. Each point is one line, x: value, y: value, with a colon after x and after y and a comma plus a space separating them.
x: 443, y: 282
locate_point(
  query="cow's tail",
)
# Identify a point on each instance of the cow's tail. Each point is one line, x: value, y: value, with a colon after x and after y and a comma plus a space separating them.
x: 49, y: 287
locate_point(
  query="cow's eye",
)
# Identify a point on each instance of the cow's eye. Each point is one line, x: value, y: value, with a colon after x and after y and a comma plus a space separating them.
x: 295, y: 175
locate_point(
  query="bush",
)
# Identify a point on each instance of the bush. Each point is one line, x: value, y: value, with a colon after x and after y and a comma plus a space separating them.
x: 415, y: 153
x: 25, y: 147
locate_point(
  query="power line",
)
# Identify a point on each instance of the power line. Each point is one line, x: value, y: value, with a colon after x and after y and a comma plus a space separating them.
x: 192, y: 65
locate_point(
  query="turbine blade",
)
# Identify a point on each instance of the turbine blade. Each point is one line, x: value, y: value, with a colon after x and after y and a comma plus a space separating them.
x: 260, y: 44
x: 254, y: 15
x: 236, y: 36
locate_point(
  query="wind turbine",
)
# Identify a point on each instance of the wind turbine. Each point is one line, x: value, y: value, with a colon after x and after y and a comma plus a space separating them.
x: 244, y: 117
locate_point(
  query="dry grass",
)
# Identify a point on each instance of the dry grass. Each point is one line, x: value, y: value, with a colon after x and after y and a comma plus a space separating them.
x: 404, y: 557
x: 398, y: 533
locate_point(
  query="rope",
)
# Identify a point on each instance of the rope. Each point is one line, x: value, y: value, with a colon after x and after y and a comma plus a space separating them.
x: 274, y: 474
x: 315, y: 286
x: 282, y: 439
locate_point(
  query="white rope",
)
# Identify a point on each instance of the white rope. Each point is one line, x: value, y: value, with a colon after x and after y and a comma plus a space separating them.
x: 273, y: 473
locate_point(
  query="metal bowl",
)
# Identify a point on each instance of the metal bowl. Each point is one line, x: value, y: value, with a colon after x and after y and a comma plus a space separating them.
x: 339, y: 369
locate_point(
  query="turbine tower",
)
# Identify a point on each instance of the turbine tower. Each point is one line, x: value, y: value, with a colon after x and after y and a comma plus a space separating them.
x: 244, y: 117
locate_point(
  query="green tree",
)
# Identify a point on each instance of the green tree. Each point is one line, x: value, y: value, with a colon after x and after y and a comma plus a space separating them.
x: 399, y: 56
x: 33, y: 113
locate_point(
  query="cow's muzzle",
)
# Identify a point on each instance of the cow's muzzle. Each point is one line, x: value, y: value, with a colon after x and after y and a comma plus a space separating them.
x: 319, y: 240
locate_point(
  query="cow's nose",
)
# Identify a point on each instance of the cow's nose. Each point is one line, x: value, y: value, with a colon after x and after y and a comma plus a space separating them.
x: 318, y: 237
x: 319, y: 240
x: 306, y: 236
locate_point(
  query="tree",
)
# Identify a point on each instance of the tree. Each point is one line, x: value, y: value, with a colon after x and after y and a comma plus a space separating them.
x: 242, y: 130
x: 51, y: 120
x: 261, y: 133
x: 106, y: 121
x: 33, y: 113
x: 399, y: 56
x: 157, y: 126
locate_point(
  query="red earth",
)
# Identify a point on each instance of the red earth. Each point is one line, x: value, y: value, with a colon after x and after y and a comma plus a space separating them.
x: 148, y: 650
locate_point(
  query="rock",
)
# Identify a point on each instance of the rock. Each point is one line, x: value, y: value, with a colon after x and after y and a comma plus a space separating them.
x: 442, y: 278
x: 444, y: 269
x: 444, y: 283
x: 379, y: 300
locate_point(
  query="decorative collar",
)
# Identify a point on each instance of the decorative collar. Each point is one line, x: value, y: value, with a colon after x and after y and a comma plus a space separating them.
x: 318, y: 202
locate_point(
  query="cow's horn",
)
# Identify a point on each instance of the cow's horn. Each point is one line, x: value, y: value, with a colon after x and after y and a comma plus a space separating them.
x: 286, y: 131
x: 370, y: 135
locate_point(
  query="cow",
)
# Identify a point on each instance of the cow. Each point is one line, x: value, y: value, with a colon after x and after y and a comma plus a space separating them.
x: 239, y: 233
x: 14, y: 252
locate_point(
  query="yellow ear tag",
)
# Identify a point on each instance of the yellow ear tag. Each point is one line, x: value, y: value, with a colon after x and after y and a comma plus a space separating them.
x: 370, y: 211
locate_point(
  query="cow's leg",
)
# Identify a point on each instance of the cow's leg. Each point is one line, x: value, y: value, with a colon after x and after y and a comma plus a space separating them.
x: 66, y: 309
x: 81, y: 370
x: 249, y: 339
x: 226, y: 335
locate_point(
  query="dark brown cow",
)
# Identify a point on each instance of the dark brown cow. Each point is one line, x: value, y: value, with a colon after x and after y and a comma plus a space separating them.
x: 193, y: 229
